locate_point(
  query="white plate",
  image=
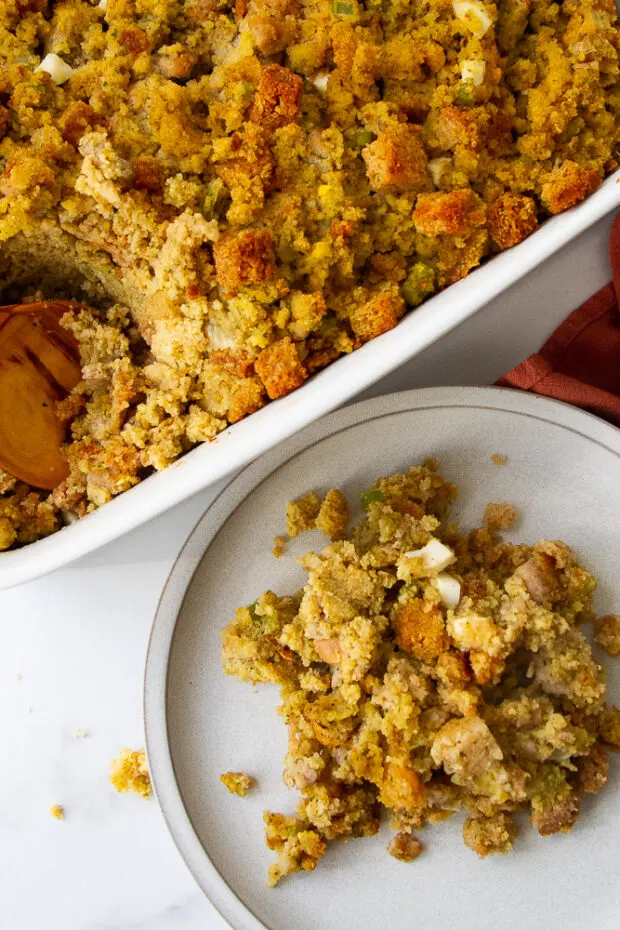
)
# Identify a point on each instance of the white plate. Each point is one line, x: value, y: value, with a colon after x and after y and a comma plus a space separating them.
x: 563, y: 475
x: 330, y: 388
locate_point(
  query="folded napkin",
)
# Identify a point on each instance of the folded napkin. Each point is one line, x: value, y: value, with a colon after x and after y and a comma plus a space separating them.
x: 580, y: 362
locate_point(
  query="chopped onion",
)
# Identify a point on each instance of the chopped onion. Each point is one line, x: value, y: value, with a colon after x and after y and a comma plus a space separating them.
x: 474, y: 15
x: 473, y: 70
x: 58, y: 70
x: 449, y: 589
x: 435, y: 556
x: 320, y: 80
x: 436, y: 167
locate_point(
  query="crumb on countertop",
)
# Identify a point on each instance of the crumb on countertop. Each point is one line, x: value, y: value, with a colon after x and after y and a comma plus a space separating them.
x: 404, y: 847
x: 278, y: 546
x: 499, y: 459
x: 490, y: 834
x: 80, y: 734
x: 129, y: 772
x: 238, y: 782
x: 499, y: 516
x: 57, y: 811
x: 607, y: 634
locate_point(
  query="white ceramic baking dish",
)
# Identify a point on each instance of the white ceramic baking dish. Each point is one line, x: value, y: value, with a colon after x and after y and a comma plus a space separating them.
x: 343, y: 379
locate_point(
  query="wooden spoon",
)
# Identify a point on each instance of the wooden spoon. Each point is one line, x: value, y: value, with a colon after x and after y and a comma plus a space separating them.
x: 39, y: 364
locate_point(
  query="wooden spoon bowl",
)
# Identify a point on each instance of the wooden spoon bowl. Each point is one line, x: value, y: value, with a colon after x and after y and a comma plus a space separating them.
x: 39, y: 365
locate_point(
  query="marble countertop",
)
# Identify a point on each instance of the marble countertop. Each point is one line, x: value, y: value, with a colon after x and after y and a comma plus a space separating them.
x: 72, y: 658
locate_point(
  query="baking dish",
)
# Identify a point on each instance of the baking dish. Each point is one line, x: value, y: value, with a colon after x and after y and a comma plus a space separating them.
x: 342, y: 380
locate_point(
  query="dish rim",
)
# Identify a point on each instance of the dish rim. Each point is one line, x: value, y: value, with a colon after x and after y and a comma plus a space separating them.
x: 342, y: 380
x: 155, y: 685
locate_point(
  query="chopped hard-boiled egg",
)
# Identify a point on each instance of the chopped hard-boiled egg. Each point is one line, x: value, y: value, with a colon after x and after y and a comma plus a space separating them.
x: 471, y: 631
x: 436, y: 167
x: 58, y: 70
x: 472, y: 14
x: 320, y: 80
x: 449, y: 589
x: 430, y: 559
x: 472, y: 71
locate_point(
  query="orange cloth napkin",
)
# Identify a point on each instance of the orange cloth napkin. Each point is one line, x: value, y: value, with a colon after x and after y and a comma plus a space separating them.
x: 580, y: 362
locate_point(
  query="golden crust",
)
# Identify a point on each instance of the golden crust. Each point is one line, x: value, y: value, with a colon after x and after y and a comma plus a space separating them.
x: 221, y: 177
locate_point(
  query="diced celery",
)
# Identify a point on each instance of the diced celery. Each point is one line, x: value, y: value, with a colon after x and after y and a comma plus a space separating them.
x: 343, y: 7
x: 371, y: 497
x: 419, y: 283
x: 465, y: 94
x: 216, y: 190
x: 246, y: 90
x: 362, y: 137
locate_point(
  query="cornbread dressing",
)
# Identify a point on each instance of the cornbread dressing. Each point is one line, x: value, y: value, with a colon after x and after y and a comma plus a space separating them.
x: 425, y: 671
x: 245, y: 192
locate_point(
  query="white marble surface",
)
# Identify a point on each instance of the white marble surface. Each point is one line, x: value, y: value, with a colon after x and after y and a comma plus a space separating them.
x: 72, y: 656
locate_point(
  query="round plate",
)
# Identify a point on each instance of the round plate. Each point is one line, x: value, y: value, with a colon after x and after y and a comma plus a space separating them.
x: 562, y: 474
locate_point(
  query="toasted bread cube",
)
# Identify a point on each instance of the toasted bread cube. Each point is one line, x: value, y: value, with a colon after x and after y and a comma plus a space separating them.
x: 377, y: 315
x: 511, y: 217
x: 454, y: 213
x: 77, y: 119
x: 277, y: 101
x: 279, y: 368
x: 420, y: 629
x: 567, y: 185
x: 396, y: 160
x: 243, y: 258
x: 483, y: 127
x: 247, y: 398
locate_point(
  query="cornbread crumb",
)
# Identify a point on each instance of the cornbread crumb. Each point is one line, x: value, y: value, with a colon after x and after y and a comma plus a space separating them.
x: 610, y: 727
x: 594, y: 770
x: 607, y: 634
x: 278, y: 546
x: 486, y: 835
x: 499, y: 516
x: 301, y: 514
x: 330, y: 514
x: 333, y: 513
x: 57, y: 811
x: 129, y: 772
x: 80, y: 734
x: 499, y: 459
x: 404, y: 847
x: 237, y: 782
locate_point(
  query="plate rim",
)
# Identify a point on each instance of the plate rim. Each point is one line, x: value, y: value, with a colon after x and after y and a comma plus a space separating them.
x: 236, y: 491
